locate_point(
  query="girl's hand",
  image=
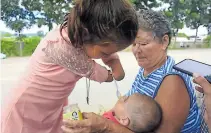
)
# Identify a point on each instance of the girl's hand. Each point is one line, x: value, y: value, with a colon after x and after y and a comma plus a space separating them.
x: 92, y: 123
x: 117, y: 69
x: 114, y: 63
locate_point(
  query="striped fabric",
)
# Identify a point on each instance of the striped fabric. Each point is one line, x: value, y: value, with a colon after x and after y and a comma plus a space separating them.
x: 204, y: 127
x: 149, y: 86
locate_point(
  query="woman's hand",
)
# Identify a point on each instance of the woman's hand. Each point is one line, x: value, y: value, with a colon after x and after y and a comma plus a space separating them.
x: 92, y: 123
x: 206, y: 89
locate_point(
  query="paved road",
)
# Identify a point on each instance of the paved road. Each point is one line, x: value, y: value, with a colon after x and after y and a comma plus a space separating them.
x: 104, y: 94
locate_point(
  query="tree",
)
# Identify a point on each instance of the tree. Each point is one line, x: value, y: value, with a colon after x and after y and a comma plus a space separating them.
x: 197, y: 13
x: 207, y: 41
x: 145, y: 4
x: 182, y: 35
x: 209, y: 28
x: 6, y: 34
x: 15, y: 17
x: 47, y: 12
x: 208, y: 17
x: 175, y: 14
x: 40, y: 33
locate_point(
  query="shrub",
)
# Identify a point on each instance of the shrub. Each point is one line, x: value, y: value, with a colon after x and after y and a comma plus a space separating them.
x: 207, y: 41
x: 30, y: 45
x: 182, y: 35
x: 10, y: 46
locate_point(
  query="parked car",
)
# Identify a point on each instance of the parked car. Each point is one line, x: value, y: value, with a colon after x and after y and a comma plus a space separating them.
x: 2, y: 56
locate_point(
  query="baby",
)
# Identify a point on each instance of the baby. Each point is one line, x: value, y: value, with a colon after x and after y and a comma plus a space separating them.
x: 137, y: 112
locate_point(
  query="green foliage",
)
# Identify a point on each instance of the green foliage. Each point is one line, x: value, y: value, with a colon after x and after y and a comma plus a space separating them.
x: 16, y: 17
x: 10, y: 47
x: 175, y: 14
x: 145, y: 4
x: 40, y: 33
x: 6, y: 34
x: 168, y: 14
x: 198, y: 13
x: 182, y: 35
x: 182, y: 1
x: 208, y: 19
x: 207, y: 41
x: 47, y: 11
x: 30, y: 45
x: 21, y: 37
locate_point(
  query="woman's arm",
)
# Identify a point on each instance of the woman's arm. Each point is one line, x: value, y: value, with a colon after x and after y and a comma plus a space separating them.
x: 93, y: 123
x: 175, y: 103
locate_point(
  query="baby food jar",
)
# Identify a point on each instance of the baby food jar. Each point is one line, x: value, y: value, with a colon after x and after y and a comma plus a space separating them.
x: 72, y: 112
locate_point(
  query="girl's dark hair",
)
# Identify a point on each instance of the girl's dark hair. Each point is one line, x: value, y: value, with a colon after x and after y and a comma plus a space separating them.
x: 93, y: 21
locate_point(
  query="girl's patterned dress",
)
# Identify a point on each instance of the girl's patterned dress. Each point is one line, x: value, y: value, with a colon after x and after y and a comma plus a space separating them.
x: 36, y: 104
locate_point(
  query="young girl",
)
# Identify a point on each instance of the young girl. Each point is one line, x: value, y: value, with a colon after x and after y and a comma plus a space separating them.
x: 93, y: 29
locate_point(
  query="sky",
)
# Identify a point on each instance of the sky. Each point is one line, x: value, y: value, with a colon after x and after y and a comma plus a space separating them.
x: 33, y: 29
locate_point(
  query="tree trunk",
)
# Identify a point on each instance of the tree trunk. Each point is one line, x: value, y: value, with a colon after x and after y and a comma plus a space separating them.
x: 175, y: 40
x: 19, y: 43
x: 196, y: 35
x: 50, y: 26
x: 19, y: 34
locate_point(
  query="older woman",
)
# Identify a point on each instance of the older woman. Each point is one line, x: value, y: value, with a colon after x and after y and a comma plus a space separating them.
x: 156, y: 78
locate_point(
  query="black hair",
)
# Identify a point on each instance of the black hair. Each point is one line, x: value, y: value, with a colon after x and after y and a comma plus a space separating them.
x: 94, y: 21
x: 155, y: 124
x: 144, y: 118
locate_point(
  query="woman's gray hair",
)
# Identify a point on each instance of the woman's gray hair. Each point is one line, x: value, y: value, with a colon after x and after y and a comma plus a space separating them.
x: 154, y: 22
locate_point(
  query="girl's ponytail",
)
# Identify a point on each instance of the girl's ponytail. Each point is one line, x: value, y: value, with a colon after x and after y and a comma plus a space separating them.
x: 76, y: 29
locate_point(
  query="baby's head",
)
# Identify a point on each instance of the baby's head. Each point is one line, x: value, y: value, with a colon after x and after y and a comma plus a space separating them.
x: 138, y: 112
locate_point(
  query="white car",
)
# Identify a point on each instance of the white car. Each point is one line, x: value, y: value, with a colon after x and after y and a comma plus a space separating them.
x: 2, y: 56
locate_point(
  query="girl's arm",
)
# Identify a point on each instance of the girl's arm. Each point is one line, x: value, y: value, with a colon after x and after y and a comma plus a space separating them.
x: 114, y: 63
x: 101, y: 74
x: 175, y: 103
x: 76, y: 61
